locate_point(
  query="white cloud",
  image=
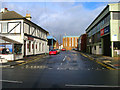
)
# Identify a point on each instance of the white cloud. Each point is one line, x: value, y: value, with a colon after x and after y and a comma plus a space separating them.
x: 60, y: 18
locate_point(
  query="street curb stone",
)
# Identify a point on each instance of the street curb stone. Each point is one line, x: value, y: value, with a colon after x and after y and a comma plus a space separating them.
x: 15, y: 64
x: 90, y: 57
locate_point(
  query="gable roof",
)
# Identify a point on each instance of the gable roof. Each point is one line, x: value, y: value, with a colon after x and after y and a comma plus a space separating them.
x: 10, y: 15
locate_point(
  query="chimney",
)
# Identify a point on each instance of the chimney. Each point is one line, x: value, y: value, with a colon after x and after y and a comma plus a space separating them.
x: 4, y: 10
x: 28, y: 16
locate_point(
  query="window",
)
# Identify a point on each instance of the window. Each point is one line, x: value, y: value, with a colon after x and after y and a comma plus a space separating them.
x: 116, y: 45
x: 116, y: 15
x: 18, y: 49
x: 64, y: 42
x: 29, y: 46
x: 4, y: 27
x: 0, y: 28
x: 72, y: 42
x: 43, y: 47
x: 39, y: 46
x: 26, y: 28
x: 36, y: 45
x: 69, y: 41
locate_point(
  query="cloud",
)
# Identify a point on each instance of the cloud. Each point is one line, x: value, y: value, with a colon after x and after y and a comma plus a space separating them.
x: 58, y: 18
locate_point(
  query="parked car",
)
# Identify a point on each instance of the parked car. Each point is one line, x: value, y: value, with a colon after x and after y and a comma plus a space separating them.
x: 63, y: 49
x: 74, y: 49
x: 58, y: 51
x: 53, y: 52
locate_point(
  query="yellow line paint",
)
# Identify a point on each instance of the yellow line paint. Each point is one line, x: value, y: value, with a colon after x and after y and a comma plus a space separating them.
x: 97, y: 62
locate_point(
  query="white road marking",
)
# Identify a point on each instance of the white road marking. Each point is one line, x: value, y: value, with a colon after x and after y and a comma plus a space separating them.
x: 64, y: 58
x: 67, y: 85
x: 61, y: 64
x: 11, y: 81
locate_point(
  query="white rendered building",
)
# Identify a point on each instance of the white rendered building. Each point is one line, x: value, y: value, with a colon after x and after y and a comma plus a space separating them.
x: 20, y: 36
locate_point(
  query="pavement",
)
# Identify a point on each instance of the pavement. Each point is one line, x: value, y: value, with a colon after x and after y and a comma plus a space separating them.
x: 25, y: 60
x: 112, y: 62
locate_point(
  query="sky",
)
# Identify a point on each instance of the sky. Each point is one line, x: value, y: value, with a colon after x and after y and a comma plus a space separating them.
x: 59, y: 18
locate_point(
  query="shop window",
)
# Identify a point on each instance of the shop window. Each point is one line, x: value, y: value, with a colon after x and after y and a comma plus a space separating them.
x: 18, y: 49
x: 116, y: 45
x: 6, y: 49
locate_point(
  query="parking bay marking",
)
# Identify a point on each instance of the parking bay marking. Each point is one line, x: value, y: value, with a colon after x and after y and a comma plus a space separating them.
x: 9, y: 81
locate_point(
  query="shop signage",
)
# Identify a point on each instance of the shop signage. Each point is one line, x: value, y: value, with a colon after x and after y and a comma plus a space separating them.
x: 102, y: 32
x: 30, y: 38
x: 105, y: 30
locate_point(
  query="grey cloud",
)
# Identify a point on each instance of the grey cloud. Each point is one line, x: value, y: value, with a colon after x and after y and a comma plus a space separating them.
x: 72, y: 20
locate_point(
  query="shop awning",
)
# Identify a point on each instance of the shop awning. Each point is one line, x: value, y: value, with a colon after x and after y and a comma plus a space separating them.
x: 9, y: 40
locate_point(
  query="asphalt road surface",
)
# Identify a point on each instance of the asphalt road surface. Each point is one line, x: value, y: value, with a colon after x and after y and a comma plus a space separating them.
x: 68, y: 69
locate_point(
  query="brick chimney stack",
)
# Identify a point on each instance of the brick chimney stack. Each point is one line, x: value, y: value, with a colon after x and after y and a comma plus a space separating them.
x: 28, y: 16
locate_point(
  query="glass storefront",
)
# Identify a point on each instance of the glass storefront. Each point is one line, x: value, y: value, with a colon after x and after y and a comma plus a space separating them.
x: 17, y: 48
x: 116, y: 48
x: 6, y: 49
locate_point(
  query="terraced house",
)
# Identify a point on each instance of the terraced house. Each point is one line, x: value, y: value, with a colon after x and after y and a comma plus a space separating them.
x: 20, y: 37
x: 103, y: 34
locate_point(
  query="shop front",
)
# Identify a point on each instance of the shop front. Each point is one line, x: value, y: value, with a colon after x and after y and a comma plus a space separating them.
x: 10, y: 49
x: 116, y: 48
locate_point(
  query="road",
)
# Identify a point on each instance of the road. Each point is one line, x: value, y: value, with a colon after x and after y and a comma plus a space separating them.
x: 65, y: 70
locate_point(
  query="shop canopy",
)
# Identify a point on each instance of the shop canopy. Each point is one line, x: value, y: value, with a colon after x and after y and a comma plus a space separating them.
x: 51, y: 37
x: 9, y: 40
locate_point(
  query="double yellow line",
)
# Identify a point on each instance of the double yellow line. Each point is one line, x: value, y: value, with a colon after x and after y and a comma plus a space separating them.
x: 29, y: 61
x: 110, y: 68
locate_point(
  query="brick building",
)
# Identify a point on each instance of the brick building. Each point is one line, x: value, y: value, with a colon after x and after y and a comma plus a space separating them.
x: 82, y: 43
x: 70, y: 42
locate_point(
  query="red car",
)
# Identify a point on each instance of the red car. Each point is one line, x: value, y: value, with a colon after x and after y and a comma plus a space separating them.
x: 52, y: 52
x: 63, y: 49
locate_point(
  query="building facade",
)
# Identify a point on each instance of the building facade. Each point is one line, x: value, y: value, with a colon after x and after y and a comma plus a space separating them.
x: 103, y: 34
x: 51, y: 42
x: 70, y: 42
x: 82, y: 43
x: 20, y: 36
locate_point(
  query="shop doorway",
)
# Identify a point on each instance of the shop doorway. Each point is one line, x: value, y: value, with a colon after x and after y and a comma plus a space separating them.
x: 106, y: 45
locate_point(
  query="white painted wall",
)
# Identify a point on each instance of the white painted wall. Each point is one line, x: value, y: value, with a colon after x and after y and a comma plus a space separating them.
x: 8, y: 56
